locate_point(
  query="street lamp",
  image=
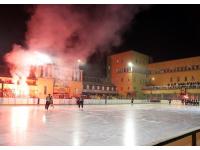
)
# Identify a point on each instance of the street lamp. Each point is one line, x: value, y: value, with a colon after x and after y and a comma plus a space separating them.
x: 130, y: 64
x: 152, y: 79
x: 79, y: 61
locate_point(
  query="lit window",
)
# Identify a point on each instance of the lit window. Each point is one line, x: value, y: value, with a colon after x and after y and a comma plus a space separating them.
x: 102, y: 87
x: 88, y: 87
x: 107, y: 88
x: 117, y: 61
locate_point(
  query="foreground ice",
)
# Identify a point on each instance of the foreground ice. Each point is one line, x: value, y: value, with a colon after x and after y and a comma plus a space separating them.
x: 98, y: 125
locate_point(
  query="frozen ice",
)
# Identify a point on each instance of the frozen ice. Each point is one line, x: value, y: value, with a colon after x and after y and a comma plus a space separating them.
x: 95, y: 125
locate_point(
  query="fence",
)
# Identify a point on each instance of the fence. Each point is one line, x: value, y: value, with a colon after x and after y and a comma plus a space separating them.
x: 34, y: 101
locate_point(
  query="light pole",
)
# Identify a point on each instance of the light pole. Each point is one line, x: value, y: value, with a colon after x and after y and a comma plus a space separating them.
x: 152, y: 79
x: 130, y: 64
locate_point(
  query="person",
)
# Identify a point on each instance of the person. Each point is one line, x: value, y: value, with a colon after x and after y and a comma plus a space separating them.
x: 78, y: 101
x: 81, y: 102
x: 51, y: 101
x: 38, y: 102
x: 132, y: 100
x: 105, y: 99
x: 48, y: 100
x: 170, y: 101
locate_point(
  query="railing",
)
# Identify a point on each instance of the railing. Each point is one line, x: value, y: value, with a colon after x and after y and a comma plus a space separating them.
x: 176, y: 141
x: 34, y: 101
x: 170, y: 87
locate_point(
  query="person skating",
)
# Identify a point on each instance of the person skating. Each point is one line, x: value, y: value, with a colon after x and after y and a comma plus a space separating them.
x: 51, y: 101
x: 170, y: 101
x: 81, y: 102
x: 48, y: 101
x: 78, y: 101
x: 132, y: 100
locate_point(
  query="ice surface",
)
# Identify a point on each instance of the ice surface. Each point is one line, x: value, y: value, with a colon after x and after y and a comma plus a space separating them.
x: 96, y: 125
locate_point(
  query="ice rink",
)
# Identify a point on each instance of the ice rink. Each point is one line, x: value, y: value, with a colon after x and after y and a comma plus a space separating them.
x: 96, y: 125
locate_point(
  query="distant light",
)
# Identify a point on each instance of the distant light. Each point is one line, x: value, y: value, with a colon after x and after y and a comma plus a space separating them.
x: 37, y: 58
x: 130, y: 64
x: 79, y: 61
x: 186, y: 96
x: 152, y: 78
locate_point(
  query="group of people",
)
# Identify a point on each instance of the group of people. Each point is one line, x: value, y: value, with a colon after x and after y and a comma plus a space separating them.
x: 194, y: 102
x: 80, y: 101
x: 49, y: 101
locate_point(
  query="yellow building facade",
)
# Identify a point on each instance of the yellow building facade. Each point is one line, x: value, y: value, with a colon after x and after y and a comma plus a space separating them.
x: 127, y: 71
x: 133, y: 72
x: 43, y: 80
x: 168, y: 78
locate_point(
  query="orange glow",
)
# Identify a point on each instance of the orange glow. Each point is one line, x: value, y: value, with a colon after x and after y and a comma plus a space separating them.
x: 22, y: 70
x: 21, y: 88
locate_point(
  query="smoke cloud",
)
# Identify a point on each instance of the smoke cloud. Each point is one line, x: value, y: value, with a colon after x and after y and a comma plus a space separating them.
x: 71, y: 32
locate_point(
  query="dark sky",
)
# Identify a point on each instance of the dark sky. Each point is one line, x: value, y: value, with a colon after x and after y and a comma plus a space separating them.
x: 161, y: 31
x: 165, y: 32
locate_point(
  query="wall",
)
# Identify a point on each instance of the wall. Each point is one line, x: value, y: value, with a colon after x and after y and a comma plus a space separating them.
x: 42, y: 83
x: 134, y: 78
x: 164, y: 78
x: 32, y: 101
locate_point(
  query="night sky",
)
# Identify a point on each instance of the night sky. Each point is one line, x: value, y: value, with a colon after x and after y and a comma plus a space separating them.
x: 162, y: 31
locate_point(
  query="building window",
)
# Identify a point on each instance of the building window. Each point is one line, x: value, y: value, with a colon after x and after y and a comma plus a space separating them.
x: 108, y: 67
x: 117, y: 61
x: 178, y: 79
x: 93, y: 87
x: 45, y: 90
x: 171, y: 79
x: 185, y: 78
x: 192, y: 79
x: 102, y: 87
x: 112, y: 89
x: 88, y: 87
x: 121, y: 88
x: 98, y: 87
x: 122, y: 79
x: 107, y: 88
x: 128, y: 80
x: 128, y: 88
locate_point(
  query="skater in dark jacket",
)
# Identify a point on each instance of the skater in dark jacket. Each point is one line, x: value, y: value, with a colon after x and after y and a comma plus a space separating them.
x: 81, y: 102
x: 48, y: 101
x: 132, y: 100
x: 78, y: 101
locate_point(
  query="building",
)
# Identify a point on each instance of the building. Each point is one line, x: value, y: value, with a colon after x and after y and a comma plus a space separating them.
x: 133, y: 73
x: 168, y: 79
x: 43, y: 80
x: 96, y: 87
x: 128, y: 72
